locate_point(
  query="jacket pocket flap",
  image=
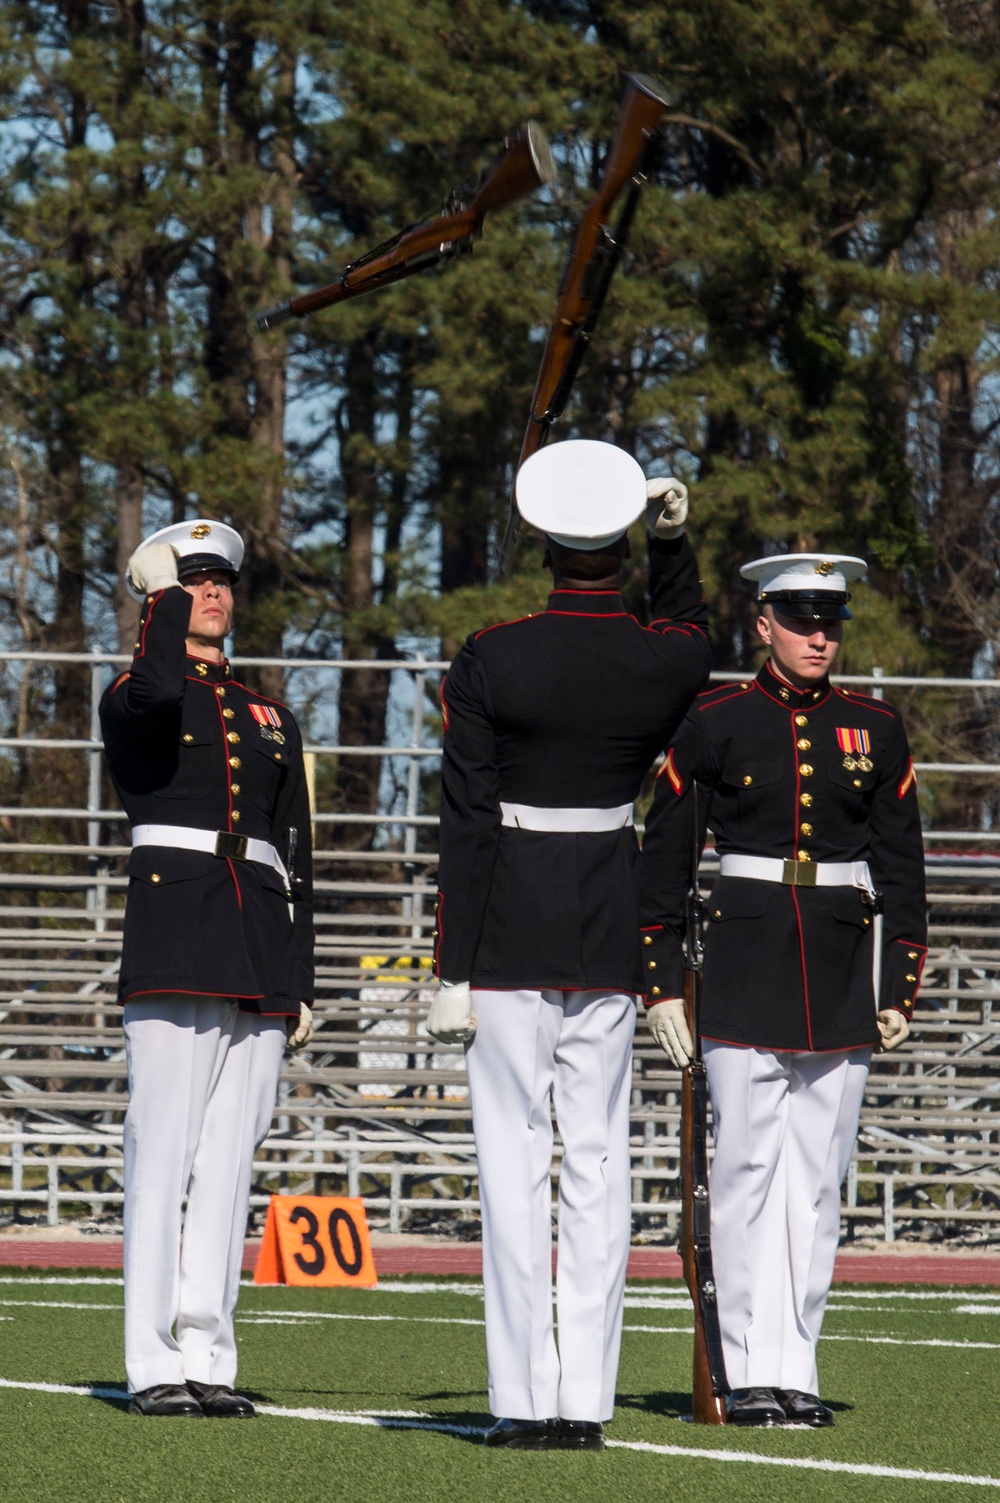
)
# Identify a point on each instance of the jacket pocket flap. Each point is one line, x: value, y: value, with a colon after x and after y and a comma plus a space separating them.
x: 742, y: 771
x: 738, y: 898
x: 848, y: 905
x: 160, y: 864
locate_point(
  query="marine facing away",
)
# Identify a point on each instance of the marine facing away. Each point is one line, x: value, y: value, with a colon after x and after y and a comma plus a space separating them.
x: 551, y: 723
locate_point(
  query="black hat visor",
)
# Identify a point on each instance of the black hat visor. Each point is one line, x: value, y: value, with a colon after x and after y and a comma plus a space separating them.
x: 205, y: 563
x: 809, y: 605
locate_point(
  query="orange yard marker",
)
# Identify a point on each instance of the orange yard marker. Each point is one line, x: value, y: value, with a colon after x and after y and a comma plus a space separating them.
x: 318, y: 1240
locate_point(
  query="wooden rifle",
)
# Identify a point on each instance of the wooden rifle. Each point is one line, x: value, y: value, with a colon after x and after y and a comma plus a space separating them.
x: 590, y: 265
x: 525, y: 165
x: 709, y: 1385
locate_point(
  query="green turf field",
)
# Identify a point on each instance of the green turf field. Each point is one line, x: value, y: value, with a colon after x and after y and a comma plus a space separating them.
x: 379, y: 1397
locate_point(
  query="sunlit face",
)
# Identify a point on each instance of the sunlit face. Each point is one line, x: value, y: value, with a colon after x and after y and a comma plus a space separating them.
x: 802, y: 652
x: 212, y: 607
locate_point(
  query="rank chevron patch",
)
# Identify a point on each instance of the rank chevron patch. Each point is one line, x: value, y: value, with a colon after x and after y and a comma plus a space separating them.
x: 853, y: 740
x: 908, y: 782
x: 264, y: 715
x: 669, y: 771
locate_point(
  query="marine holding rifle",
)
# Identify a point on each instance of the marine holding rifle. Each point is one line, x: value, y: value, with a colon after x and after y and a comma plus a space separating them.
x: 815, y: 941
x: 550, y: 725
x: 217, y: 962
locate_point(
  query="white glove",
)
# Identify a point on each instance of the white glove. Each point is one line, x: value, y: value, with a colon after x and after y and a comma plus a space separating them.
x: 303, y: 1030
x: 668, y: 1025
x: 673, y: 494
x: 153, y: 567
x: 893, y: 1027
x: 451, y: 1020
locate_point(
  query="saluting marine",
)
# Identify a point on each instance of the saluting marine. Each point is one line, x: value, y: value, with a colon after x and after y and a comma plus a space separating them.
x: 217, y: 960
x: 551, y: 723
x: 815, y: 941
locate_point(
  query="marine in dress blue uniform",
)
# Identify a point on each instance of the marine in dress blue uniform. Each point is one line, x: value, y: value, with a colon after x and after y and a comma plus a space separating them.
x: 811, y: 795
x: 217, y: 966
x: 551, y: 723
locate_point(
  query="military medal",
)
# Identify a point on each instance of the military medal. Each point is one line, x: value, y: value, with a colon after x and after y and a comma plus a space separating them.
x: 855, y: 744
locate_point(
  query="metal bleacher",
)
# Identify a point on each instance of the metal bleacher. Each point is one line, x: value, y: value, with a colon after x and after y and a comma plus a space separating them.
x: 375, y: 1107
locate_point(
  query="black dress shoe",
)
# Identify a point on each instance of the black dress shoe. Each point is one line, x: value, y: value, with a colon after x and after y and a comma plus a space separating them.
x: 169, y: 1399
x: 524, y: 1435
x: 754, y: 1406
x: 803, y: 1408
x: 581, y: 1435
x: 219, y: 1402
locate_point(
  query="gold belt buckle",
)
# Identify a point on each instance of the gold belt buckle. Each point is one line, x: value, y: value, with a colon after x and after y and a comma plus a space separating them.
x: 798, y: 874
x: 233, y: 847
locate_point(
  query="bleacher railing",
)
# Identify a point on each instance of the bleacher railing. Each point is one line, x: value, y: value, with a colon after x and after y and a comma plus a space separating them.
x: 375, y: 1107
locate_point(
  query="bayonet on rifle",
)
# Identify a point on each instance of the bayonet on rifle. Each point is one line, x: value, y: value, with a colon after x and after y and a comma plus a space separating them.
x: 525, y: 165
x: 590, y: 265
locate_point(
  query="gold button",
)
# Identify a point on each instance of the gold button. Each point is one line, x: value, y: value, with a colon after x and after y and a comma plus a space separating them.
x: 803, y: 856
x: 803, y: 744
x: 277, y: 756
x: 805, y: 799
x: 744, y: 686
x: 857, y: 782
x: 747, y: 781
x: 187, y: 738
x: 717, y: 913
x: 220, y: 691
x: 911, y: 978
x: 802, y: 720
x: 806, y: 829
x: 235, y: 762
x: 647, y: 939
x: 911, y: 954
x: 655, y: 991
x: 137, y: 646
x: 652, y: 967
x: 236, y: 814
x: 155, y: 877
x: 816, y: 693
x: 805, y: 770
x: 235, y: 788
x: 866, y: 922
x: 783, y: 693
x: 232, y: 737
x: 200, y: 668
x: 229, y: 714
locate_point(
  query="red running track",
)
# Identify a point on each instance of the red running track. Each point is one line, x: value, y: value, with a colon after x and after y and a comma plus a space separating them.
x: 904, y: 1267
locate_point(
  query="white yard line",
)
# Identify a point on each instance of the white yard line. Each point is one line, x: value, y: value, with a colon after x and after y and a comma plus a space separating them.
x: 409, y: 1420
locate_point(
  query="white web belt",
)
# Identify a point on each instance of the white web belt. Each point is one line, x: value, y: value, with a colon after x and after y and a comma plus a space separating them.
x: 212, y: 843
x: 799, y: 873
x: 565, y: 821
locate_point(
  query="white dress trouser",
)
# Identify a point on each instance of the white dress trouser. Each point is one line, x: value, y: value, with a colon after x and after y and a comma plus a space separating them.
x: 573, y: 1048
x: 785, y: 1124
x: 202, y: 1079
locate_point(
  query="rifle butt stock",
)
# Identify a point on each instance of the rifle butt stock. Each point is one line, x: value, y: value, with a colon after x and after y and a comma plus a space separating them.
x: 708, y: 1382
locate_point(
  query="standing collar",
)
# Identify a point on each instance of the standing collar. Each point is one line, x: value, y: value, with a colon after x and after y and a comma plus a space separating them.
x: 207, y: 671
x: 787, y: 695
x: 586, y: 603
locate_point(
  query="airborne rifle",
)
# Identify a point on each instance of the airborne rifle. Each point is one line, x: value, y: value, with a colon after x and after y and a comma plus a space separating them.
x: 709, y: 1385
x: 525, y: 164
x: 590, y: 265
